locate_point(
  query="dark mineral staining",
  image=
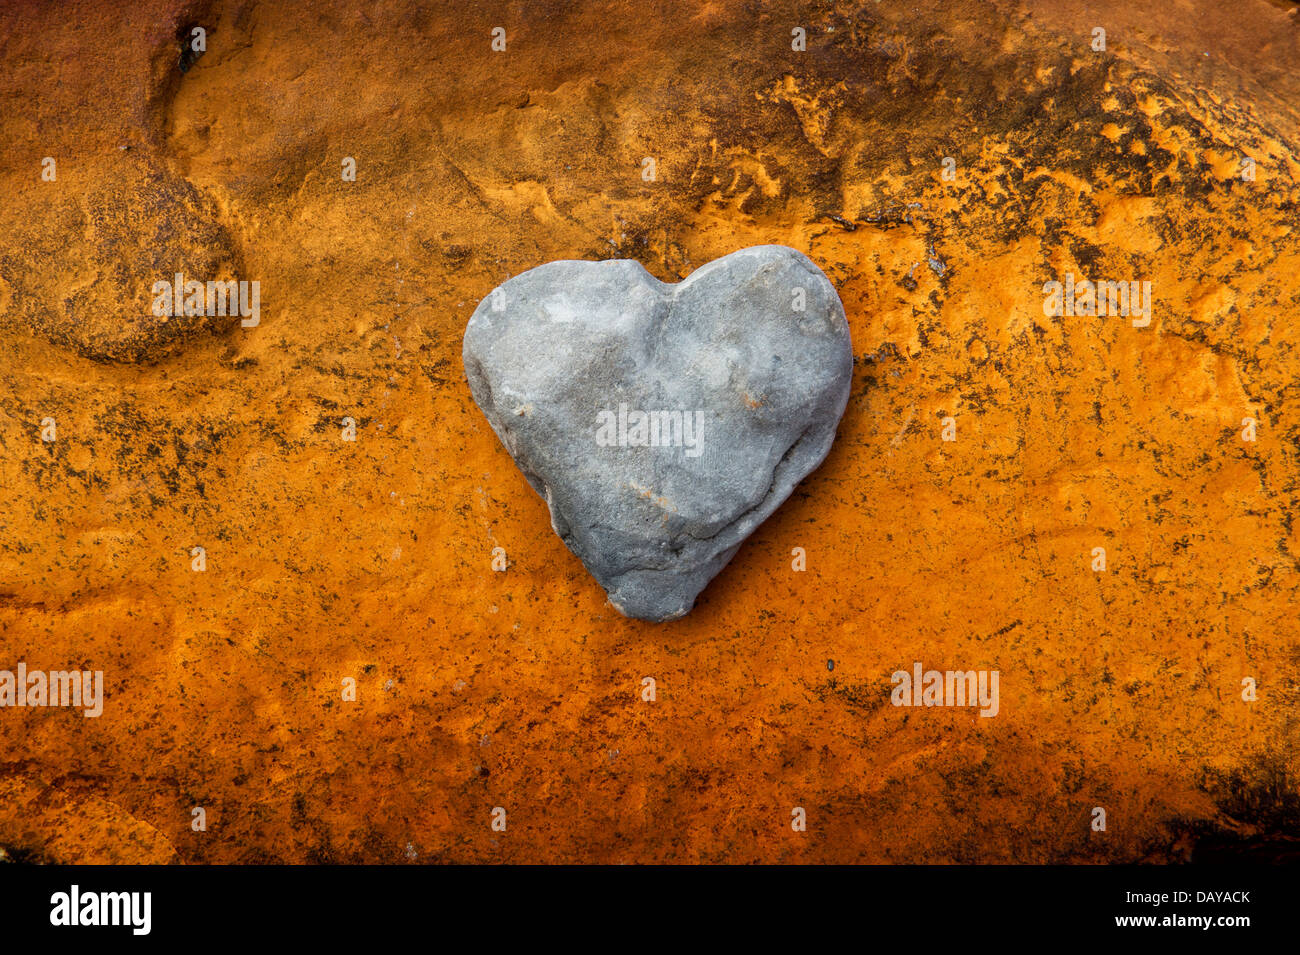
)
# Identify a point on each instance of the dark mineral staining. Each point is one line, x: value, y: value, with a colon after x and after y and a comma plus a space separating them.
x: 189, y: 55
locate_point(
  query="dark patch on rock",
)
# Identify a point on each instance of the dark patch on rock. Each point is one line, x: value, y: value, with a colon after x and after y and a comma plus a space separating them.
x: 84, y: 280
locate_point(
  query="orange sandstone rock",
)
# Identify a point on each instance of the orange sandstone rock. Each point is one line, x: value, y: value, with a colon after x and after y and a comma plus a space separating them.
x: 990, y: 448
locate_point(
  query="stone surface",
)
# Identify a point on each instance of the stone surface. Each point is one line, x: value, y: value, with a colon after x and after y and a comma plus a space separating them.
x: 662, y: 423
x: 373, y: 558
x: 102, y: 252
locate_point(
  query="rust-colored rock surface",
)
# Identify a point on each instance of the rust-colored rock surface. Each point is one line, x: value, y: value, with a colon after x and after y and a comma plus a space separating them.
x: 328, y: 560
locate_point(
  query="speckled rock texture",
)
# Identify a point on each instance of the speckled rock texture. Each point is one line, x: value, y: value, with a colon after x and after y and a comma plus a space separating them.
x: 489, y: 669
x: 662, y: 423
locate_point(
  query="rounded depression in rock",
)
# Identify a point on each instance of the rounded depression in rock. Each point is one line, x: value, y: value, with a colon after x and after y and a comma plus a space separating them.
x: 662, y: 423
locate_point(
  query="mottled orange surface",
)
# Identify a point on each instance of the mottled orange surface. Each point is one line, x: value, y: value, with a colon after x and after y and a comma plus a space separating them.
x: 371, y: 560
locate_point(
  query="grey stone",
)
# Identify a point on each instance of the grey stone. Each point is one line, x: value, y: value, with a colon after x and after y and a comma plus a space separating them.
x: 565, y: 358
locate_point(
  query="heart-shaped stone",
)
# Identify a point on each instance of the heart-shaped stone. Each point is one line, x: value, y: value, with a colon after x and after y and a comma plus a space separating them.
x: 662, y: 423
